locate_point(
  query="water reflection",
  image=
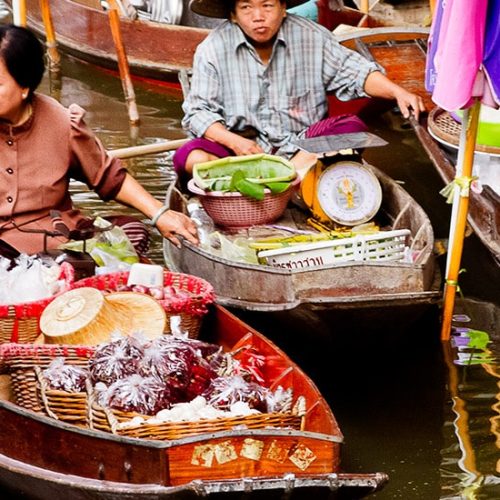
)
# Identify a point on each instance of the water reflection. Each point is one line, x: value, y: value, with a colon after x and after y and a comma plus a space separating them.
x: 404, y: 406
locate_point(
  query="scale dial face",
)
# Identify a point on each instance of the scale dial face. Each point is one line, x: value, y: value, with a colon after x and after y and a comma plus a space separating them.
x: 349, y: 193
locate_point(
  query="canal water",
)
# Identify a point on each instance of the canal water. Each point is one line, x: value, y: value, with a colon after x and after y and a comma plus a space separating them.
x: 404, y: 406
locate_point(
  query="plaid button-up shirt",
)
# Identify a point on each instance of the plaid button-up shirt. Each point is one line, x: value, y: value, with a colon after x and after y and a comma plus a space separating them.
x: 231, y: 85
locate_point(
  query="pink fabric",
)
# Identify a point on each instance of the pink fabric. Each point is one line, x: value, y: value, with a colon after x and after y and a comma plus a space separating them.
x: 459, y: 53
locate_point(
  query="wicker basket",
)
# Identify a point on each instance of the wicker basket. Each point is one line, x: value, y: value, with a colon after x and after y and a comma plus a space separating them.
x: 191, y: 314
x: 234, y: 210
x: 20, y: 322
x: 21, y: 361
x: 113, y: 421
x: 71, y: 407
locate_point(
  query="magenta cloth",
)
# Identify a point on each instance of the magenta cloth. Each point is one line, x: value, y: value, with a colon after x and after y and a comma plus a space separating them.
x: 206, y: 145
x: 458, y: 54
x: 342, y: 124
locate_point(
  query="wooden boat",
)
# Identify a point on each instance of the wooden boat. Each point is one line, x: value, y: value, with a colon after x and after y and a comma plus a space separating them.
x: 42, y: 458
x: 343, y: 285
x: 484, y: 208
x: 403, y: 54
x: 154, y: 50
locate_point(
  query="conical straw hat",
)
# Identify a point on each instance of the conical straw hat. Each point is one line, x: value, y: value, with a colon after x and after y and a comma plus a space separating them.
x: 138, y: 312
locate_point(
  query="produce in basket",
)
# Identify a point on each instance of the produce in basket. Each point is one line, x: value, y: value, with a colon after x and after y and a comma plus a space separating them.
x: 184, y: 365
x: 62, y: 377
x: 246, y: 174
x: 30, y: 279
x: 115, y: 360
x: 145, y: 395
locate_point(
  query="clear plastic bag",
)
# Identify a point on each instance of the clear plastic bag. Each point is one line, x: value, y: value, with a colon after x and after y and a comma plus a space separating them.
x: 110, y: 249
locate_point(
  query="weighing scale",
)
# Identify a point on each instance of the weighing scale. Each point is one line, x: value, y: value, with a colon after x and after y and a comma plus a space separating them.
x: 340, y: 188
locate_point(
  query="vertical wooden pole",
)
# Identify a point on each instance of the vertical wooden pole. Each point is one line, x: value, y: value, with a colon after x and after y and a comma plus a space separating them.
x: 365, y: 6
x: 19, y: 12
x: 471, y: 121
x: 128, y: 88
x: 54, y: 57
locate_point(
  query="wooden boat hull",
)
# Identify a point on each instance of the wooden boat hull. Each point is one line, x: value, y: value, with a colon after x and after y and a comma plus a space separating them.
x: 341, y: 285
x: 44, y: 458
x: 154, y: 50
x: 402, y: 52
x: 484, y: 208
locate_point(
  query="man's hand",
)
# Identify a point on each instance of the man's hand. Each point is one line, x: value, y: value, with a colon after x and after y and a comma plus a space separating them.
x: 378, y: 85
x: 243, y: 147
x: 409, y: 103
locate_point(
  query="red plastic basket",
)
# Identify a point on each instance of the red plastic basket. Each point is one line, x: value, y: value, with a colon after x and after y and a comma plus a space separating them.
x: 20, y: 322
x: 191, y: 310
x: 232, y: 209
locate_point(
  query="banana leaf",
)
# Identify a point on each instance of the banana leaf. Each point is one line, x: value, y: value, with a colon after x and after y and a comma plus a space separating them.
x: 259, y: 169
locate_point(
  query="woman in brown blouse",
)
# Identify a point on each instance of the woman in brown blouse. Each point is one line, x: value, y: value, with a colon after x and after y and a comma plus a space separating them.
x: 43, y: 145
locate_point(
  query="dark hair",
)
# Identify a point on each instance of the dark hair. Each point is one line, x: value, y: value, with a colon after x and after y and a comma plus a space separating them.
x: 23, y: 56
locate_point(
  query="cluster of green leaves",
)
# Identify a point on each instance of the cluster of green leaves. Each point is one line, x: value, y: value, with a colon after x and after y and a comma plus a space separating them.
x: 241, y: 183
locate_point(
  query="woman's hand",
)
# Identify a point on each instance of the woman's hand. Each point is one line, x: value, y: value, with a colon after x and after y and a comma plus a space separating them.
x: 172, y: 224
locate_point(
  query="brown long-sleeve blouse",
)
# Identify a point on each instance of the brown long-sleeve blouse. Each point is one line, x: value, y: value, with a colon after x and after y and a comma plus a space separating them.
x: 37, y: 160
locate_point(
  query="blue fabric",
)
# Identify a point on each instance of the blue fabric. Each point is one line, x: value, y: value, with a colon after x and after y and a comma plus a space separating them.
x: 309, y: 10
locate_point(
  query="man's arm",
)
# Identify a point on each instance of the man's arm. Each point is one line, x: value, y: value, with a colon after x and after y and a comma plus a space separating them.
x: 378, y: 85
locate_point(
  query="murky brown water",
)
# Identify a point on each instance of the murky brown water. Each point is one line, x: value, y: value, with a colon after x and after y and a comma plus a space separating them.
x: 433, y: 427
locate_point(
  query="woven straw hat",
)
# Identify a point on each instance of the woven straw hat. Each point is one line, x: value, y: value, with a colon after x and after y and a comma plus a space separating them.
x: 84, y: 316
x: 222, y: 8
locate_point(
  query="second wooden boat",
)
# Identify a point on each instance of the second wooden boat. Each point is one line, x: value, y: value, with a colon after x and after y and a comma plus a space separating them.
x: 362, y: 284
x: 42, y: 458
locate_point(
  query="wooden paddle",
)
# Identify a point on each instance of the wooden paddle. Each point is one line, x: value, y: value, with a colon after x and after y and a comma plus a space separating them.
x: 19, y: 12
x: 128, y: 88
x: 53, y: 54
x: 147, y: 149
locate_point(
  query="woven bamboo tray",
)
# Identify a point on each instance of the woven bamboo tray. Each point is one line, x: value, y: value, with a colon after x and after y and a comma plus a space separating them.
x: 21, y: 360
x: 191, y: 314
x: 444, y: 127
x: 110, y: 421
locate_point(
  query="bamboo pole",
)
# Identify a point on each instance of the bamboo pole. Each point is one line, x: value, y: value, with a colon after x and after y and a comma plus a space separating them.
x: 147, y: 149
x: 54, y: 57
x: 128, y: 88
x: 365, y: 6
x: 19, y: 12
x: 471, y: 121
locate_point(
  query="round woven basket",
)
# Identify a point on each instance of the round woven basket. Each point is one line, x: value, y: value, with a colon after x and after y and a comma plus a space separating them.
x: 191, y: 311
x: 85, y: 316
x: 233, y: 210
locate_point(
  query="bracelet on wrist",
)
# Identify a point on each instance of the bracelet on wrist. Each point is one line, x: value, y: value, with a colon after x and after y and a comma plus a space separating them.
x: 157, y: 215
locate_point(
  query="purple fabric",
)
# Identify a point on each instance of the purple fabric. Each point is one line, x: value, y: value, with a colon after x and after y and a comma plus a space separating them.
x: 206, y: 145
x: 342, y: 124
